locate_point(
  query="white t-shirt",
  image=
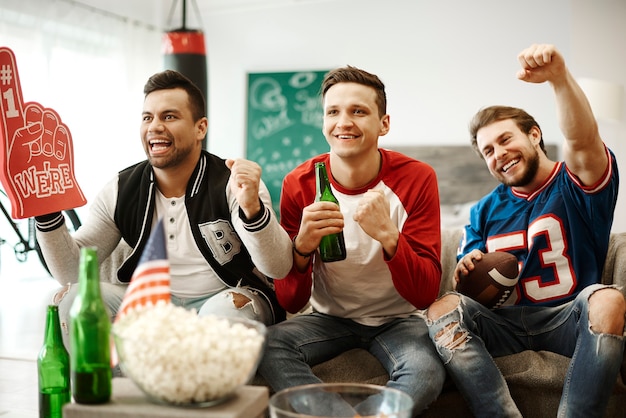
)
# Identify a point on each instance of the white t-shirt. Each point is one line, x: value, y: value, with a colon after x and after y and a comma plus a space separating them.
x: 191, y: 274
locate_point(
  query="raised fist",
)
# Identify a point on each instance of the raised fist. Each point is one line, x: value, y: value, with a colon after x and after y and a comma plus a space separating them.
x: 36, y: 151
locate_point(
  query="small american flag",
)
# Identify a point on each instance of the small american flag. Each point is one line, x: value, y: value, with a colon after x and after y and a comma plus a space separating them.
x: 151, y: 280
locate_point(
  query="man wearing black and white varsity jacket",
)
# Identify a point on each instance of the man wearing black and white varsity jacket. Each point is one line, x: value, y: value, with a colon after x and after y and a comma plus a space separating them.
x: 223, y: 240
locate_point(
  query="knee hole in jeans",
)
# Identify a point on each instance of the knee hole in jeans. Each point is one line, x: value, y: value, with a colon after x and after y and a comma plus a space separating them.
x: 240, y: 300
x: 607, y: 308
x: 452, y: 337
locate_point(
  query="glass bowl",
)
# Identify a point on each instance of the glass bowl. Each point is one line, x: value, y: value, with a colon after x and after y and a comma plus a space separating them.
x: 177, y: 358
x: 347, y: 400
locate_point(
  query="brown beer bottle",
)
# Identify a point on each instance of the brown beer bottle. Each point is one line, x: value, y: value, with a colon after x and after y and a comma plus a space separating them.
x: 332, y: 247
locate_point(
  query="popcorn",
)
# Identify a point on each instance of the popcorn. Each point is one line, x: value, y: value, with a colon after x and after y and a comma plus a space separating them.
x: 178, y: 357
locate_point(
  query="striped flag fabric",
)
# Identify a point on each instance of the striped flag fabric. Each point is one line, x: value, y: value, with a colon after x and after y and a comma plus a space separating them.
x: 150, y: 282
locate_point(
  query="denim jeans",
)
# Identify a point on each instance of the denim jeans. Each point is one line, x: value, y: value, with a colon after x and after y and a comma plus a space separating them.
x: 592, y: 373
x: 402, y: 346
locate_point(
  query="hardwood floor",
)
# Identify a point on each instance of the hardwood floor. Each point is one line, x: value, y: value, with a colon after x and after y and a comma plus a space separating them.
x: 25, y: 291
x: 18, y: 389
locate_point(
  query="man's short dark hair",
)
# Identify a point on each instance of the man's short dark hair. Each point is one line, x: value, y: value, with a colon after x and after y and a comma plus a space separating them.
x: 170, y: 79
x: 350, y: 74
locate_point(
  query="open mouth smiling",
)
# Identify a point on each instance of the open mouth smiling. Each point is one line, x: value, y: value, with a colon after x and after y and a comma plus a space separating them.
x: 508, y: 165
x: 157, y: 145
x: 346, y: 137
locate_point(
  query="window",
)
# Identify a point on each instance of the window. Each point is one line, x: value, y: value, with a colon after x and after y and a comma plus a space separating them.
x: 90, y: 67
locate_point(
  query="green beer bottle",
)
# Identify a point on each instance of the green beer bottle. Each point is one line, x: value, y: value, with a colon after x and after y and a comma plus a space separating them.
x: 53, y: 368
x: 90, y: 327
x: 332, y: 247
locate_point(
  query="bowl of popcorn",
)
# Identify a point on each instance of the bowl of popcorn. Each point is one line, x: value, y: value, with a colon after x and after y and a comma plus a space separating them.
x: 179, y: 358
x: 345, y: 400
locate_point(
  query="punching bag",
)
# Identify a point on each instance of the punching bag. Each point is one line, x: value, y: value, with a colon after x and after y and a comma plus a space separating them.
x: 185, y: 52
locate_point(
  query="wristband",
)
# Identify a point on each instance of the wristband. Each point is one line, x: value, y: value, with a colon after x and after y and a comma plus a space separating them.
x: 293, y: 245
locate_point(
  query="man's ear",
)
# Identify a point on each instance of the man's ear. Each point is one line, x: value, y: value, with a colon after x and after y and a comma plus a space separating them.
x: 384, y: 125
x: 202, y: 126
x: 535, y: 134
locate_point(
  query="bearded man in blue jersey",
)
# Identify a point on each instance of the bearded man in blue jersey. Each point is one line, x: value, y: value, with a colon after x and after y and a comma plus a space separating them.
x: 556, y: 218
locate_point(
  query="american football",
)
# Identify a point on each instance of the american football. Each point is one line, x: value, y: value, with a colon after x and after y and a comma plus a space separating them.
x: 493, y: 279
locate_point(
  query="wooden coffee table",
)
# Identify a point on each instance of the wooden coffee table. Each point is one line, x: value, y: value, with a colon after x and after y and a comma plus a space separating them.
x: 127, y: 401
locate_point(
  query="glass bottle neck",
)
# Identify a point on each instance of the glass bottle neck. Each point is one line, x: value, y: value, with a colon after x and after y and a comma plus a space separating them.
x: 322, y: 184
x: 89, y: 273
x: 53, y: 326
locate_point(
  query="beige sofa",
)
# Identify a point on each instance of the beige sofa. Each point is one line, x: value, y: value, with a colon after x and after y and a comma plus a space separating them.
x: 535, y: 378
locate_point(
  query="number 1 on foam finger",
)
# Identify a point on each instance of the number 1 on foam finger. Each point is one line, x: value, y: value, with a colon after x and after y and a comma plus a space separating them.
x: 11, y: 111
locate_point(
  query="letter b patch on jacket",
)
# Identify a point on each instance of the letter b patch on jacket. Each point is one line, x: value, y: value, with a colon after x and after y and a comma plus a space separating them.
x: 222, y: 239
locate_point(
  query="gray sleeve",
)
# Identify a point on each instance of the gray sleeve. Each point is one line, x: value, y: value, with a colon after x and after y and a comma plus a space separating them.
x: 62, y: 249
x: 266, y: 241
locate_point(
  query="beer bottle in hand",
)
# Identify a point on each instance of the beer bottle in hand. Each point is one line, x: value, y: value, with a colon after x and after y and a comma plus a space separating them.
x: 53, y: 368
x: 332, y: 247
x: 90, y: 328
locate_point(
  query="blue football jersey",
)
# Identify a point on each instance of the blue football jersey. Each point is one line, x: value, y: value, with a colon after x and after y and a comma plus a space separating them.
x: 559, y: 233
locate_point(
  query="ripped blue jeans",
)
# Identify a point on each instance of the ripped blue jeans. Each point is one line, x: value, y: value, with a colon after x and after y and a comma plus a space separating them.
x: 469, y: 336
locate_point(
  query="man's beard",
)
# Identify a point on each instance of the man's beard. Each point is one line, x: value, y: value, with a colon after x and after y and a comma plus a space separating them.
x: 532, y: 166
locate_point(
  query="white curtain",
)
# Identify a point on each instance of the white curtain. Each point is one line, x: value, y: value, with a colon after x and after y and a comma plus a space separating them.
x: 90, y: 67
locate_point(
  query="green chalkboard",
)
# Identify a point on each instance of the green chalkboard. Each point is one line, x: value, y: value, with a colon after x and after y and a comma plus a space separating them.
x: 284, y: 126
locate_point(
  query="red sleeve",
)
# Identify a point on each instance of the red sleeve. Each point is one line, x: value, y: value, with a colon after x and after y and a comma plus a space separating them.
x: 416, y: 266
x: 298, y: 190
x: 294, y: 291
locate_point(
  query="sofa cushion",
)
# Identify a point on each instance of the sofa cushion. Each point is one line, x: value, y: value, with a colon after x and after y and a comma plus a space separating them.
x: 352, y: 366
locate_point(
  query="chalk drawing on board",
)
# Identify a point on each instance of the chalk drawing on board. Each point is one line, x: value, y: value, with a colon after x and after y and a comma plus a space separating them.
x: 284, y: 123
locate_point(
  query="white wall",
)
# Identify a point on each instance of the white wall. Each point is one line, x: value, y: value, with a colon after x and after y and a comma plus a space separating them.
x: 441, y: 61
x: 598, y: 34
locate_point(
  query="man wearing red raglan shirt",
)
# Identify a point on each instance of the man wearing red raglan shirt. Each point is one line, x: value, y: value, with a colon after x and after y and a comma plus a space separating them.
x: 390, y: 217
